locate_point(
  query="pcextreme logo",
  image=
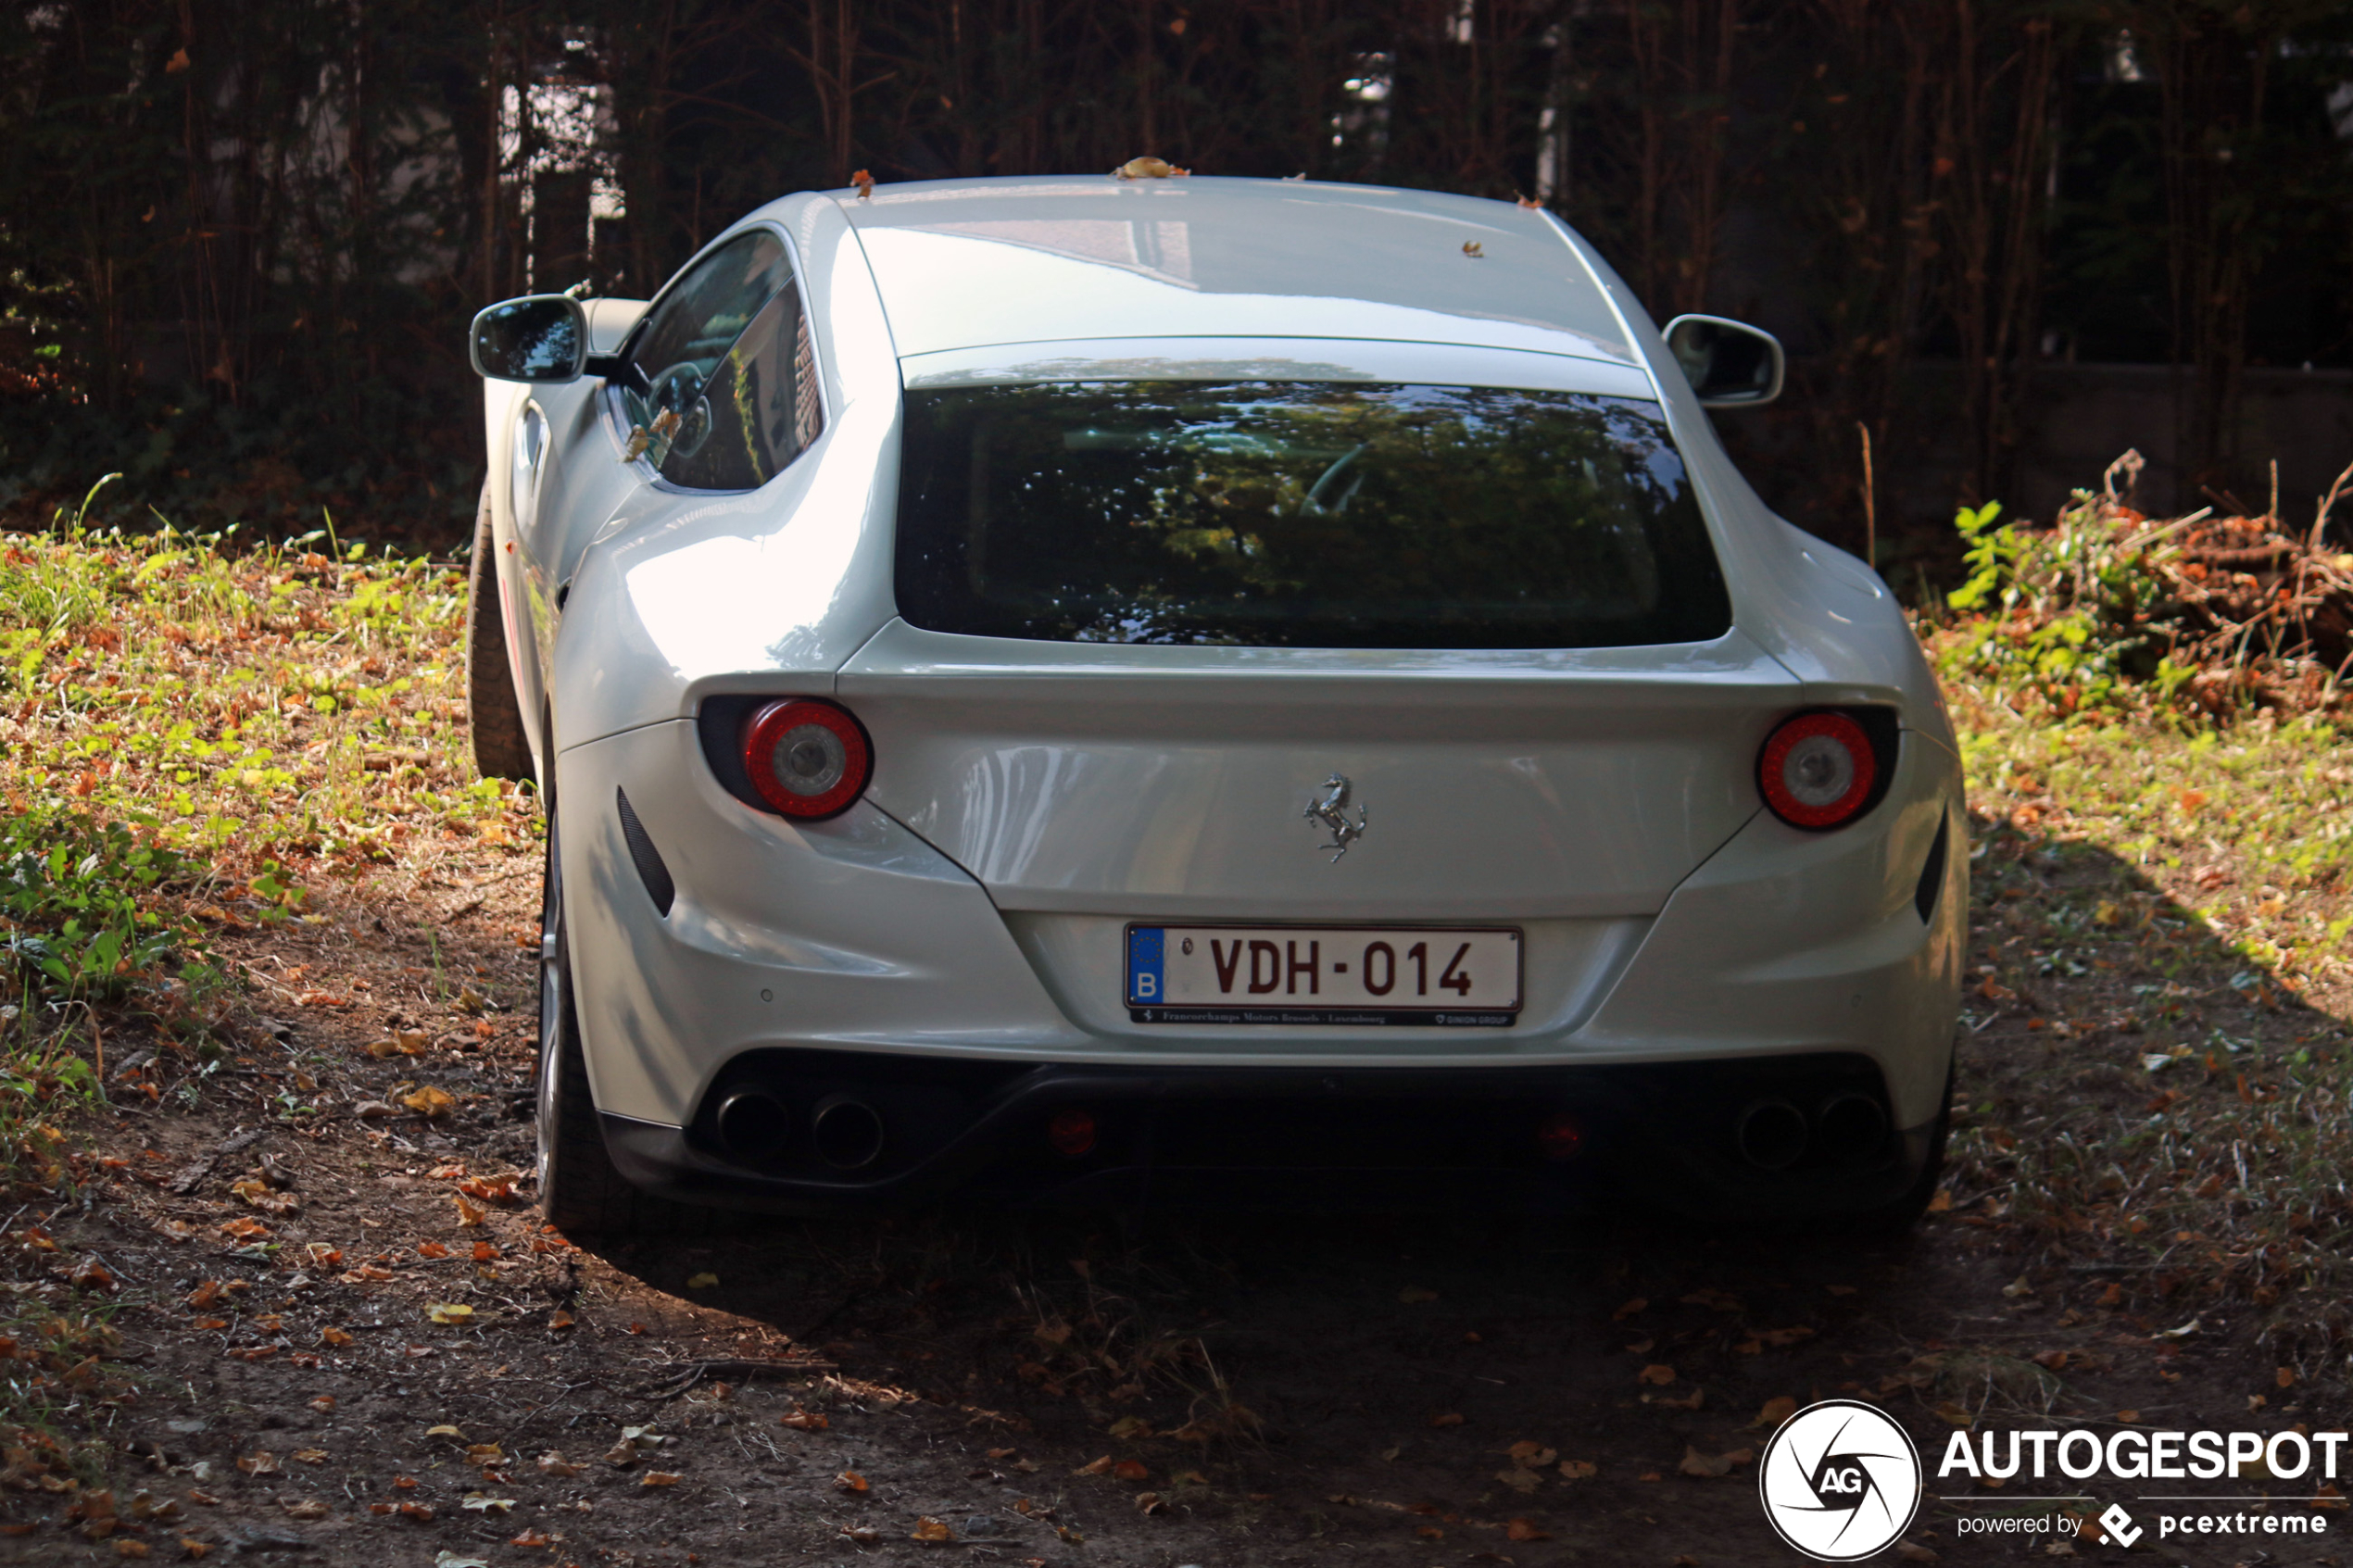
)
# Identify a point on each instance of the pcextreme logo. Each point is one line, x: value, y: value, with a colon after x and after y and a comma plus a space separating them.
x: 1840, y: 1481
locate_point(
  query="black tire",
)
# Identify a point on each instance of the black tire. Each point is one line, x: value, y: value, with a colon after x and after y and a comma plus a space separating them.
x: 1902, y: 1213
x: 493, y: 716
x: 580, y: 1192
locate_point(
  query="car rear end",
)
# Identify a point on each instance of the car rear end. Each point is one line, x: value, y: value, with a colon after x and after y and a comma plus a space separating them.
x: 1297, y: 770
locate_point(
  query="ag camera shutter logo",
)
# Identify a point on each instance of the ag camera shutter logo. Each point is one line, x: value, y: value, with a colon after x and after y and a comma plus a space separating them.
x: 1840, y: 1481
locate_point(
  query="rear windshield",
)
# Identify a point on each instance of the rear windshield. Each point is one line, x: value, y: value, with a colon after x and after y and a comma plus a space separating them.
x: 1306, y: 514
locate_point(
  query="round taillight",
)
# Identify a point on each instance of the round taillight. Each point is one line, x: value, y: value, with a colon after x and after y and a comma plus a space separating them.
x: 1817, y: 770
x: 1072, y: 1132
x: 807, y: 759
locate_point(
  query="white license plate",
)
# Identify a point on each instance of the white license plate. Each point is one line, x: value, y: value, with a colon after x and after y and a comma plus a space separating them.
x: 1323, y: 974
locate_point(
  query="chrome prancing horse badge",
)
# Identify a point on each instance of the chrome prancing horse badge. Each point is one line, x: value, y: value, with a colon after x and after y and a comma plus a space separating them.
x: 1330, y: 807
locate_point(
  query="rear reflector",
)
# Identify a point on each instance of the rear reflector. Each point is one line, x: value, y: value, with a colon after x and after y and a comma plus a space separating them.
x: 807, y: 759
x: 1817, y: 770
x: 1072, y: 1132
x: 1562, y: 1137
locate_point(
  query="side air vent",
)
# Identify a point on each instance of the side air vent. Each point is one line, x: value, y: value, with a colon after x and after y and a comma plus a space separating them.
x: 1932, y: 874
x: 650, y: 869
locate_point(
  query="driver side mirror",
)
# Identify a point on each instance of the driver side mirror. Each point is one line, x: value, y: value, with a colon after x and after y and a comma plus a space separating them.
x: 1730, y: 364
x: 541, y: 337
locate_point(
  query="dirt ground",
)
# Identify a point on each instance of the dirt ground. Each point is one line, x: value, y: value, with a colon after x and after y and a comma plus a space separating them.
x: 1218, y: 1390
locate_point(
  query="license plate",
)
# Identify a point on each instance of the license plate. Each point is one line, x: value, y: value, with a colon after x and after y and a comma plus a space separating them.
x: 1338, y: 974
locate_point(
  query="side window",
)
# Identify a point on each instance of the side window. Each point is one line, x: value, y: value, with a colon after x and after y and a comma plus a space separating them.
x: 723, y: 379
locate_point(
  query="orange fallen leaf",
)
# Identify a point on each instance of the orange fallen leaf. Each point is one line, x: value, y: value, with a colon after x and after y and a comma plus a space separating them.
x: 850, y: 1481
x: 1096, y: 1467
x: 244, y: 1229
x: 432, y: 1249
x: 1129, y: 1470
x: 485, y: 1252
x: 430, y: 1101
x: 469, y: 1215
x: 1577, y: 1469
x: 332, y: 1336
x: 660, y: 1479
x: 814, y: 1421
x: 204, y: 1295
x: 1525, y: 1530
x: 1661, y: 1376
x: 930, y: 1530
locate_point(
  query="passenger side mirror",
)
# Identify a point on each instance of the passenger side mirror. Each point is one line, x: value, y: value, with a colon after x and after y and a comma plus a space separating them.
x: 541, y: 337
x: 1731, y: 366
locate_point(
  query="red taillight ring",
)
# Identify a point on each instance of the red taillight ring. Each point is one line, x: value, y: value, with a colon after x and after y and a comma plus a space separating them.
x: 807, y: 759
x: 1817, y: 771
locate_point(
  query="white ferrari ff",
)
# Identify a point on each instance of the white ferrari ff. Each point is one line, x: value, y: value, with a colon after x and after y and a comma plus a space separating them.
x: 1187, y: 691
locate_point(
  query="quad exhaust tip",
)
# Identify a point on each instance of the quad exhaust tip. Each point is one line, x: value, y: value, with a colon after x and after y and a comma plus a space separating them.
x: 1771, y: 1135
x: 754, y: 1124
x: 848, y: 1133
x: 1852, y: 1128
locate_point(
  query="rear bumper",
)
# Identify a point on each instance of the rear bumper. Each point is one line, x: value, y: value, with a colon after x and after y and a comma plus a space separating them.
x: 1366, y: 1138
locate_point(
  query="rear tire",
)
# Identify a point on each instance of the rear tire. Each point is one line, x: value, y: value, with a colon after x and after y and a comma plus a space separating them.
x: 1902, y: 1213
x: 579, y: 1189
x: 495, y: 719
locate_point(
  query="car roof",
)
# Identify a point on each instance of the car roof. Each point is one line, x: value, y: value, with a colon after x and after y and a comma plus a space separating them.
x: 968, y: 264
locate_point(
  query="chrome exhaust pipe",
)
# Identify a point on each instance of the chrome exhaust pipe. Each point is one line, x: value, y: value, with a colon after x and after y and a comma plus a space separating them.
x: 1771, y: 1135
x: 754, y: 1125
x: 848, y: 1133
x: 1852, y: 1129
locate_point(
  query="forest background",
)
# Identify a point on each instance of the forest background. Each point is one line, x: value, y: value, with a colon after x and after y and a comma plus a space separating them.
x: 239, y: 242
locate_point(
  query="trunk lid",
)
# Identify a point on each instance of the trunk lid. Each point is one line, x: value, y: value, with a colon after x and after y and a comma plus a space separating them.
x: 1157, y: 781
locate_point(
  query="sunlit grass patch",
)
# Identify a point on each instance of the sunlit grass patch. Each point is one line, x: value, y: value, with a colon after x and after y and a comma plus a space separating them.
x: 279, y: 706
x: 2160, y: 989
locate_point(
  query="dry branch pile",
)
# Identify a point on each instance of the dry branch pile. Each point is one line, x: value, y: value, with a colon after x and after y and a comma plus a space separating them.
x: 2108, y: 606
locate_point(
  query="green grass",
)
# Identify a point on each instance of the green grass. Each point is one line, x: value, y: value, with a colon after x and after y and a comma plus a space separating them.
x: 2158, y: 1074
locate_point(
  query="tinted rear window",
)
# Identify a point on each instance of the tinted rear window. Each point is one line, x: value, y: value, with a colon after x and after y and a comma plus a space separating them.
x: 1300, y: 514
